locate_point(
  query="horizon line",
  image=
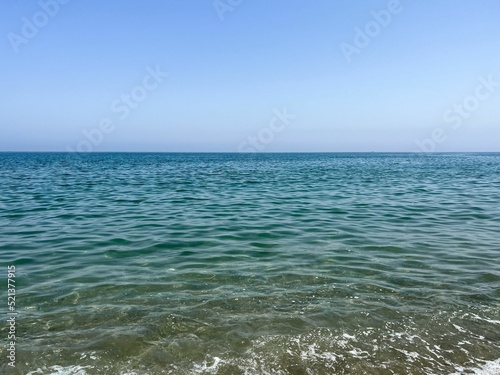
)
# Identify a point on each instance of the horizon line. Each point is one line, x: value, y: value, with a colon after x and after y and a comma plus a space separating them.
x: 251, y: 153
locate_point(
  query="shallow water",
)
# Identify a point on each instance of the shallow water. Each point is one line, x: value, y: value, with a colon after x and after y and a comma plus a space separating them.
x: 253, y: 264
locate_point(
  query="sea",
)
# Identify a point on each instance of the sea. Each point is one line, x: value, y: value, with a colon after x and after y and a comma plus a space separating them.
x: 266, y: 263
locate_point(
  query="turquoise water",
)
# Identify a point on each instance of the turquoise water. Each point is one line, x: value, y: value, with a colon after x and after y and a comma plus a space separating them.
x: 252, y: 264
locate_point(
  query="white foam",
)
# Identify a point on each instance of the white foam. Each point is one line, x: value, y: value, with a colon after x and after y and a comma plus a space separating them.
x: 212, y: 366
x: 60, y: 370
x: 488, y: 368
x: 68, y: 370
x: 205, y: 367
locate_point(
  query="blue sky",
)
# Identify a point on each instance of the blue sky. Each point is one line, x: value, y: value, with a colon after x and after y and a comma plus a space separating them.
x: 425, y: 75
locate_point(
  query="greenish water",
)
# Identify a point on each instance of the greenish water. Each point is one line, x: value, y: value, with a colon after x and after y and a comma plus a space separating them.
x: 252, y: 264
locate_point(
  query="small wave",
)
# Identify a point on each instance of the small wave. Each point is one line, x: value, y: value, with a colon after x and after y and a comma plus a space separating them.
x: 213, y: 365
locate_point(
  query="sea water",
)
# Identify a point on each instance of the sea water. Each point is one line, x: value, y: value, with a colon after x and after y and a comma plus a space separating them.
x: 151, y: 263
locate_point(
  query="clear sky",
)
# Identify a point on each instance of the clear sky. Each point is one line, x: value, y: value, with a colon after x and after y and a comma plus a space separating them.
x: 250, y: 75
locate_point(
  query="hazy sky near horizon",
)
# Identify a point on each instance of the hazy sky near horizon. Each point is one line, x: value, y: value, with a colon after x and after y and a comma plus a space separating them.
x: 283, y: 75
